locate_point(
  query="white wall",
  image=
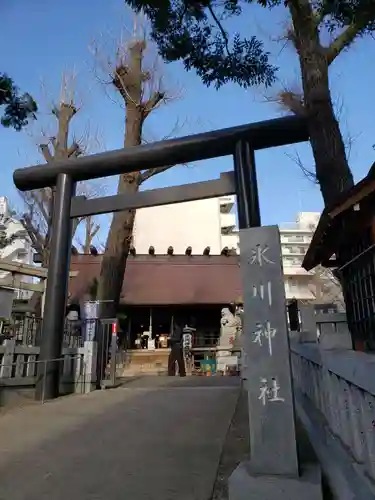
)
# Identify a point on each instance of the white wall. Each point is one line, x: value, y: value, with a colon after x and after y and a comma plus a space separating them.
x: 195, y: 224
x: 198, y: 224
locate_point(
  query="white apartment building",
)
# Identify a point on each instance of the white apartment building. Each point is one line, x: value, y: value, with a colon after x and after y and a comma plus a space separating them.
x: 198, y: 224
x: 20, y: 249
x: 213, y: 223
x: 295, y: 240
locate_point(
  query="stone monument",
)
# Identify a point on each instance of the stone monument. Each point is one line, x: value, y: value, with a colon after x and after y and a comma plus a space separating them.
x: 273, y: 471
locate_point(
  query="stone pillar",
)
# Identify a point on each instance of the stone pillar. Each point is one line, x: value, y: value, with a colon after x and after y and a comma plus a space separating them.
x: 309, y: 332
x: 6, y: 364
x: 90, y: 362
x: 273, y: 470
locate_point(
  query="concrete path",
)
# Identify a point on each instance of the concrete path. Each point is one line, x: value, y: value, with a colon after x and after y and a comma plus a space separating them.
x: 152, y: 439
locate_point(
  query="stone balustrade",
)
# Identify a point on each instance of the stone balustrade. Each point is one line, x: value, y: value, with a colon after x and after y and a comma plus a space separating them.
x: 20, y: 366
x: 334, y: 392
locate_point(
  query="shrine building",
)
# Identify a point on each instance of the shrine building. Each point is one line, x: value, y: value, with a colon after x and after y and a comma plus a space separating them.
x: 158, y: 287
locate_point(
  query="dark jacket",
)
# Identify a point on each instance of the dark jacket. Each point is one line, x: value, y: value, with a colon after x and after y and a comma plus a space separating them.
x: 177, y: 331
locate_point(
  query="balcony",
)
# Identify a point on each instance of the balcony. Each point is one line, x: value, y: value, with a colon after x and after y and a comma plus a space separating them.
x: 230, y: 241
x: 293, y: 251
x: 295, y: 270
x: 226, y: 204
x: 302, y: 294
x: 297, y: 239
x: 22, y: 253
x: 228, y: 222
x: 299, y: 288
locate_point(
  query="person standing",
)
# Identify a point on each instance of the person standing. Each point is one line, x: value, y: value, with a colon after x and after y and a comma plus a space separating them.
x: 176, y: 354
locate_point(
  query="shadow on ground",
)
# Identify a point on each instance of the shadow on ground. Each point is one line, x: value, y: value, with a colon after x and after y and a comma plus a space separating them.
x: 237, y: 449
x: 152, y: 381
x: 146, y: 440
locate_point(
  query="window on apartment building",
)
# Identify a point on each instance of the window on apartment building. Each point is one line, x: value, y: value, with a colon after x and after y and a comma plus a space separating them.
x: 290, y: 285
x: 292, y: 261
x: 295, y: 286
x: 295, y: 238
x: 288, y: 261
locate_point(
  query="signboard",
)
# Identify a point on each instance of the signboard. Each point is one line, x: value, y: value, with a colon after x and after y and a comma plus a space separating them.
x: 187, y: 341
x: 90, y: 315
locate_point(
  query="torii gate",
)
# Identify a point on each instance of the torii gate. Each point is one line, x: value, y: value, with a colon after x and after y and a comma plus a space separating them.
x: 15, y: 268
x: 266, y: 341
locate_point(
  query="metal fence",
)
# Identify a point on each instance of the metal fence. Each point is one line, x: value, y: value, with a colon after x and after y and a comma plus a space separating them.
x: 74, y: 333
x: 205, y: 339
x: 72, y: 370
x: 24, y: 328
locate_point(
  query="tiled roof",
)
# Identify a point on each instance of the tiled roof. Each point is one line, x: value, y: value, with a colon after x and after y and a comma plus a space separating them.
x: 167, y: 280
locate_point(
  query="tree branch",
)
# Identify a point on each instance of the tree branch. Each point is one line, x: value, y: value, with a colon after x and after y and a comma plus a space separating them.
x: 44, y: 149
x: 147, y: 174
x: 293, y: 102
x: 35, y: 236
x: 74, y: 150
x: 156, y: 98
x: 75, y: 223
x: 347, y: 37
x: 40, y: 205
x: 64, y: 115
x: 95, y: 231
x: 220, y: 26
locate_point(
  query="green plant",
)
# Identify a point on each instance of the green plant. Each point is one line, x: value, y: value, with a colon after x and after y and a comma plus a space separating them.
x: 19, y: 108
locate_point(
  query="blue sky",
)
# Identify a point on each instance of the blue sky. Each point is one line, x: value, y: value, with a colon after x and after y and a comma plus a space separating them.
x: 43, y: 38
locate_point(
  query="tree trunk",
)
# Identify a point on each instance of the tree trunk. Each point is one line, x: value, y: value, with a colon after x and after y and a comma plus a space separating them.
x: 116, y: 253
x: 332, y: 168
x: 128, y: 81
x: 121, y: 231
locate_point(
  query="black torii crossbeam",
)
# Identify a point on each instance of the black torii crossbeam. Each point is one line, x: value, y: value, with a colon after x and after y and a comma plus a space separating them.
x: 241, y: 142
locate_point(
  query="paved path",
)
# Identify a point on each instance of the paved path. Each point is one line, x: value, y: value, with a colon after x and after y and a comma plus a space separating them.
x: 154, y: 439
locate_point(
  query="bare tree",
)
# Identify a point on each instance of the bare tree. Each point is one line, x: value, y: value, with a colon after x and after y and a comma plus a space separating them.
x: 61, y: 144
x: 141, y: 89
x: 326, y: 288
x: 91, y: 230
x: 37, y: 213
